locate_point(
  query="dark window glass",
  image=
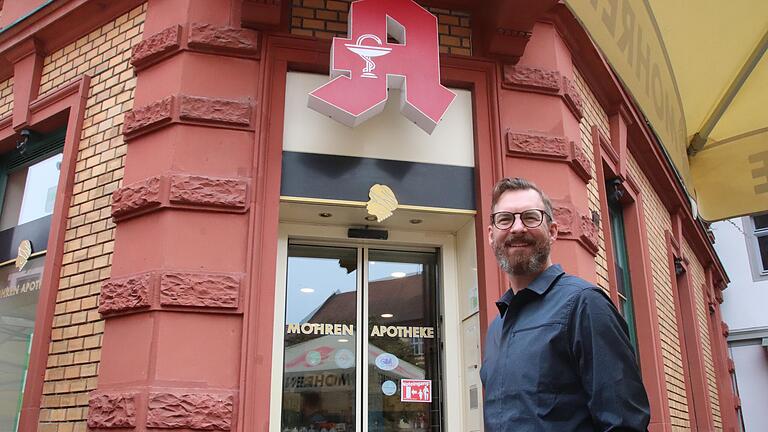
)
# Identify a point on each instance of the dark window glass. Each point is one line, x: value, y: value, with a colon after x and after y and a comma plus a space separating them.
x: 761, y: 221
x: 762, y: 243
x: 623, y: 278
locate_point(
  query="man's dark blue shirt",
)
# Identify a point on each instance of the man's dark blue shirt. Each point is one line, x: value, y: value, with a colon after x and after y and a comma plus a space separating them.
x: 558, y: 359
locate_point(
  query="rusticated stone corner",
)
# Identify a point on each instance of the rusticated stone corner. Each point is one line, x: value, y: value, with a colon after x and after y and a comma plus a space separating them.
x: 223, y: 39
x: 199, y: 289
x: 564, y: 216
x: 156, y: 46
x: 537, y: 145
x: 589, y: 235
x: 136, y: 197
x: 210, y: 191
x: 533, y: 78
x: 572, y: 97
x: 147, y: 116
x: 125, y: 294
x: 200, y: 411
x: 580, y: 162
x: 111, y: 410
x: 214, y: 110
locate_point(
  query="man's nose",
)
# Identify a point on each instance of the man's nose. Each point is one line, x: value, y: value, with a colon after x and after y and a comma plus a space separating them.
x: 517, y: 225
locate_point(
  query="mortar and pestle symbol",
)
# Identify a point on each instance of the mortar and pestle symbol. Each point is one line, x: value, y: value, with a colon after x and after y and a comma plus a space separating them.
x: 367, y: 52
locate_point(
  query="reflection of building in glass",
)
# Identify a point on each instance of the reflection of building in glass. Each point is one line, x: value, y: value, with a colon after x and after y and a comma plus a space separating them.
x: 18, y: 302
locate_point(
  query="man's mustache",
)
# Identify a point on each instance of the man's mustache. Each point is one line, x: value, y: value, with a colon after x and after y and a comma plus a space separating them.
x: 524, y: 239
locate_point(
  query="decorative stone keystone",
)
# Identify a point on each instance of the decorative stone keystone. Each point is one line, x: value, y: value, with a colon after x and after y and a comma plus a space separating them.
x: 204, y: 411
x: 532, y: 78
x: 120, y: 295
x: 156, y: 46
x: 148, y: 116
x: 111, y: 410
x: 136, y: 197
x: 199, y: 289
x: 223, y: 39
x: 207, y: 109
x: 201, y: 190
x: 537, y: 145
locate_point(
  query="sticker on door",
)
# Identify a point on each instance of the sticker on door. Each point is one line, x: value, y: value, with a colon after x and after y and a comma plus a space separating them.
x: 415, y: 390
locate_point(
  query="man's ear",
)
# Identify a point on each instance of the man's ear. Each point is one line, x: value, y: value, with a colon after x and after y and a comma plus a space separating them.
x: 490, y: 235
x: 553, y: 231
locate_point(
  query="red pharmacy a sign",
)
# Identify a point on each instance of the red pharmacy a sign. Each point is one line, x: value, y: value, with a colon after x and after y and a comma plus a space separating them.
x: 366, y: 65
x: 412, y: 390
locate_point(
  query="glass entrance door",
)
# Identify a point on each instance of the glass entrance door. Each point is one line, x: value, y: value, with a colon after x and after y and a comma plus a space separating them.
x: 336, y: 378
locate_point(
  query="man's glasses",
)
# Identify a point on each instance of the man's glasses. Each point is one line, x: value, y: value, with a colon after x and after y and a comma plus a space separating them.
x: 531, y: 218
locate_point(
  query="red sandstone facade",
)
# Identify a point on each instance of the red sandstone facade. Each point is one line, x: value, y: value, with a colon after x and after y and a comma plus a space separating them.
x: 168, y: 206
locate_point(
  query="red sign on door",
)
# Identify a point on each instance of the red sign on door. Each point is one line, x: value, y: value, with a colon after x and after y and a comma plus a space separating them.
x: 412, y: 390
x: 365, y: 65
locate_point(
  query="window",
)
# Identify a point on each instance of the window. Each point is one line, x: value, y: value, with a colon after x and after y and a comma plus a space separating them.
x: 28, y: 181
x: 336, y: 377
x: 621, y: 261
x: 756, y: 230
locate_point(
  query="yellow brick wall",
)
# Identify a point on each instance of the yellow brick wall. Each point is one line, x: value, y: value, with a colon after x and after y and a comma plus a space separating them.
x: 328, y: 18
x: 698, y: 280
x: 74, y: 355
x: 6, y: 97
x: 659, y: 221
x: 593, y: 115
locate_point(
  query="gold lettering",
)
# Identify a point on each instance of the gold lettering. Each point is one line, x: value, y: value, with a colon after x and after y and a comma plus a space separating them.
x: 429, y: 332
x: 293, y: 328
x: 337, y: 329
x: 392, y: 331
x: 407, y: 332
x: 348, y: 329
x: 328, y: 329
x: 376, y: 331
x: 307, y: 328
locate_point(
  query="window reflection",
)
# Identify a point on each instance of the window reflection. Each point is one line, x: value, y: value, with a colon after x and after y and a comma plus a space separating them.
x: 319, y: 370
x: 19, y: 291
x: 402, y: 374
x: 402, y: 294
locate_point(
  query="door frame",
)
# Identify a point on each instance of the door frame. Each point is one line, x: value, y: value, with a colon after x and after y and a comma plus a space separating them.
x: 445, y: 243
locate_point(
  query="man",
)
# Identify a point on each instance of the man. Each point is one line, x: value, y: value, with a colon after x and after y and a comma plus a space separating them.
x: 558, y: 357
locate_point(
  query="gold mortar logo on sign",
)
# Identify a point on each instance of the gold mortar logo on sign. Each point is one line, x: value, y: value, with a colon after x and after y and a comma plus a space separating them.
x: 25, y: 251
x: 382, y: 202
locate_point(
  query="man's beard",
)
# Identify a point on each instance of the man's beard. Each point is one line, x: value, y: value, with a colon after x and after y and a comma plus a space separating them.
x: 523, y: 262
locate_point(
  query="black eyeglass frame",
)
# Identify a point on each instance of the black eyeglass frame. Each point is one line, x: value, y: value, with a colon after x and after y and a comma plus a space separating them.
x: 520, y: 214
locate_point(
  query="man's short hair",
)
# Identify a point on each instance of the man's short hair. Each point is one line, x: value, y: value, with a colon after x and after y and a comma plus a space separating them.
x: 517, y: 183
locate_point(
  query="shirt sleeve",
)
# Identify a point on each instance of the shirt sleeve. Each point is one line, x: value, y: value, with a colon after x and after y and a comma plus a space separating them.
x: 607, y: 366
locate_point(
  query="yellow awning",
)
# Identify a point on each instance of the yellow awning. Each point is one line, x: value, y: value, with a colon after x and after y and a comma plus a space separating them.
x: 698, y: 70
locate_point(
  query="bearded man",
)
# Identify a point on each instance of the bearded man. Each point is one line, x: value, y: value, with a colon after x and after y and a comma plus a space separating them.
x: 558, y: 357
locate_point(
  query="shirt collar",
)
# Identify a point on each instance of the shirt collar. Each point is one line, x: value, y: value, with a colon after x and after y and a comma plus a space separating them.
x: 540, y: 286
